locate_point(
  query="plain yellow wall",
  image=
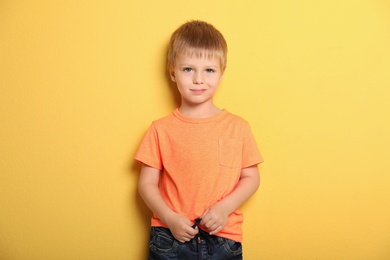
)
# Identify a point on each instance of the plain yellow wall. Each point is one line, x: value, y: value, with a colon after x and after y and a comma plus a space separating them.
x: 81, y: 81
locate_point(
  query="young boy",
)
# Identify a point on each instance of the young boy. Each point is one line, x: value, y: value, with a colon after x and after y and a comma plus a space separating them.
x: 199, y: 164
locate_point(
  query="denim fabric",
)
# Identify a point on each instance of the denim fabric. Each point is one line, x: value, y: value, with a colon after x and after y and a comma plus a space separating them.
x: 163, y: 246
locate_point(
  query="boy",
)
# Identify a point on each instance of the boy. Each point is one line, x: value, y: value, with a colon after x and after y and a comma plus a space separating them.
x: 199, y: 164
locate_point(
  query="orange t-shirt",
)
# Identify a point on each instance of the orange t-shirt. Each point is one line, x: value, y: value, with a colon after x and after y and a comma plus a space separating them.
x: 200, y: 160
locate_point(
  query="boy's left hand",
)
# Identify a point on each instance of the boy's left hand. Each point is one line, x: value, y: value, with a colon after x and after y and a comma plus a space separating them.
x: 214, y: 218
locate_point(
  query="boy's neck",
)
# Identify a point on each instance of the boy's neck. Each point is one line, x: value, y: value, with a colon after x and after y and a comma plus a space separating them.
x: 199, y: 111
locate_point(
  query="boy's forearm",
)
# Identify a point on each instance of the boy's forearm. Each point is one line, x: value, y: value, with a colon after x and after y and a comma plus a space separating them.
x: 152, y: 197
x: 150, y: 193
x: 246, y: 187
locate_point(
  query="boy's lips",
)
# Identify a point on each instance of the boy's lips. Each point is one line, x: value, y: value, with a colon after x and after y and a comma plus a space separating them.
x: 197, y: 91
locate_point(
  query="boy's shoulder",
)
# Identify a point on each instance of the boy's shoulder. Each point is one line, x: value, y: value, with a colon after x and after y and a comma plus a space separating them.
x: 164, y: 120
x: 236, y: 118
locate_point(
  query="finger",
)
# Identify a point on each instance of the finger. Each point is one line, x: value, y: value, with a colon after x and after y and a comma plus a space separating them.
x: 188, y: 222
x: 216, y: 231
x: 194, y: 231
x: 213, y: 226
x: 205, y: 213
x: 184, y: 238
x: 206, y: 219
x: 210, y: 222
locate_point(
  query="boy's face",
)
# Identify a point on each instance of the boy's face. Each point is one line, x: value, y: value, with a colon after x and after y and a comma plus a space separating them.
x: 197, y: 78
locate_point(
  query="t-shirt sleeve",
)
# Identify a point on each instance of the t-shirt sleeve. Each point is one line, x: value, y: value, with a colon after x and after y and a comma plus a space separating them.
x: 149, y: 150
x: 250, y: 152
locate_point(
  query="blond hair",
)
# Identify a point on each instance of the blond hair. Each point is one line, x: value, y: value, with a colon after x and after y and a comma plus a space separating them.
x: 197, y: 38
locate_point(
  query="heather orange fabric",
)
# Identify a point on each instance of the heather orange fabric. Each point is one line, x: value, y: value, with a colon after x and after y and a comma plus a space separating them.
x: 200, y: 161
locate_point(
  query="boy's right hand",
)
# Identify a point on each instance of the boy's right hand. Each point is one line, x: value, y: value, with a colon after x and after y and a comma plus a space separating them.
x: 181, y: 227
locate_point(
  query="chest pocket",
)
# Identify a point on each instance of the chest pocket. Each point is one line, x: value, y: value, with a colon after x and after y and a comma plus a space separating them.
x: 230, y: 152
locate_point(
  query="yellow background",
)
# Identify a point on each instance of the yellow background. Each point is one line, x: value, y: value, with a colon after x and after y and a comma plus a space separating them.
x: 82, y: 80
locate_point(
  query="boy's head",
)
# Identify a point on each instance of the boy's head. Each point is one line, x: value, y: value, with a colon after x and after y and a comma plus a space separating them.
x: 197, y: 38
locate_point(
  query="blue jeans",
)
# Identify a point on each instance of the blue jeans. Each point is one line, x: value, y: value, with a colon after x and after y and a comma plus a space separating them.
x: 163, y: 246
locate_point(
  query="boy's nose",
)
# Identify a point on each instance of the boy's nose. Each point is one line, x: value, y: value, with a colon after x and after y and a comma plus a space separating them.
x: 198, y: 78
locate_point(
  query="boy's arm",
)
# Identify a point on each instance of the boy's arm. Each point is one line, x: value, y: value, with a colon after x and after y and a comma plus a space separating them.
x: 215, y: 217
x: 179, y: 225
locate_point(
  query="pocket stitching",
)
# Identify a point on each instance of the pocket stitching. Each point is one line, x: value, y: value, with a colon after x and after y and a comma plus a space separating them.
x: 228, y: 150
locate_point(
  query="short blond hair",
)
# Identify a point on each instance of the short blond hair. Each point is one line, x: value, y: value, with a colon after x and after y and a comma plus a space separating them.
x: 197, y: 38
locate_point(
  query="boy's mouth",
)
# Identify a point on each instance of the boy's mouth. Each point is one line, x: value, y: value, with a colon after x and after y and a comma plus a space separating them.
x: 198, y: 91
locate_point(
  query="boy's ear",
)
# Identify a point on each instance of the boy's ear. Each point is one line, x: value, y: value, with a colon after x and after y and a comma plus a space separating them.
x: 172, y: 75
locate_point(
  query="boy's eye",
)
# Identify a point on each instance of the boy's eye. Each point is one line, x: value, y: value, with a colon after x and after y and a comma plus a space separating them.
x: 187, y: 69
x: 210, y: 70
